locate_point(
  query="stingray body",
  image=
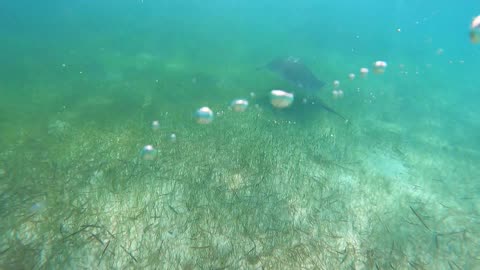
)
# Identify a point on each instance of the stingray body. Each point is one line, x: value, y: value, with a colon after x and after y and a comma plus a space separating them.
x: 296, y: 72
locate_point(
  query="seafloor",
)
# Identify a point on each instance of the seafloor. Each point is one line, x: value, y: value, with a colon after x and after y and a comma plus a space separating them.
x: 394, y: 188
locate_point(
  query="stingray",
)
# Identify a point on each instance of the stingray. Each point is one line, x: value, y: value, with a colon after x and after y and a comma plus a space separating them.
x: 294, y: 71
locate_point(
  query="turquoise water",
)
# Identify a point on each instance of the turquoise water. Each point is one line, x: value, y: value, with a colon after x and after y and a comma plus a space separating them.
x: 394, y: 187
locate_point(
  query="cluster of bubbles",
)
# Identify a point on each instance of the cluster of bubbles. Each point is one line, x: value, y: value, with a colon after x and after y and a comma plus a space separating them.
x: 278, y: 98
x: 203, y: 116
x: 337, y: 93
x: 281, y: 99
x: 379, y: 67
x: 149, y: 152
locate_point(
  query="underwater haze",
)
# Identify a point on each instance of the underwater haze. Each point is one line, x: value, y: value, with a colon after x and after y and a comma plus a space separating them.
x: 108, y: 162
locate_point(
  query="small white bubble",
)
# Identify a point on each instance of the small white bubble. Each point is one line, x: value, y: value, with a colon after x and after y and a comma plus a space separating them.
x: 337, y: 93
x: 364, y: 72
x: 281, y: 99
x: 239, y: 105
x: 156, y: 125
x: 336, y: 83
x: 475, y: 30
x: 148, y: 152
x: 379, y: 67
x: 204, y: 115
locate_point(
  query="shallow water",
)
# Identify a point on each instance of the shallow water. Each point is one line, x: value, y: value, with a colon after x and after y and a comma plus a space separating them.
x: 394, y: 187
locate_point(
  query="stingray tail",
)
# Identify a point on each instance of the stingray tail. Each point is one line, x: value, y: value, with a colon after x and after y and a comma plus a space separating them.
x: 331, y: 110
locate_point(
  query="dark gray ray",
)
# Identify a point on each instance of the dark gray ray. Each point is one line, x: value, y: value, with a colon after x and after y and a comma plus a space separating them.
x: 296, y: 72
